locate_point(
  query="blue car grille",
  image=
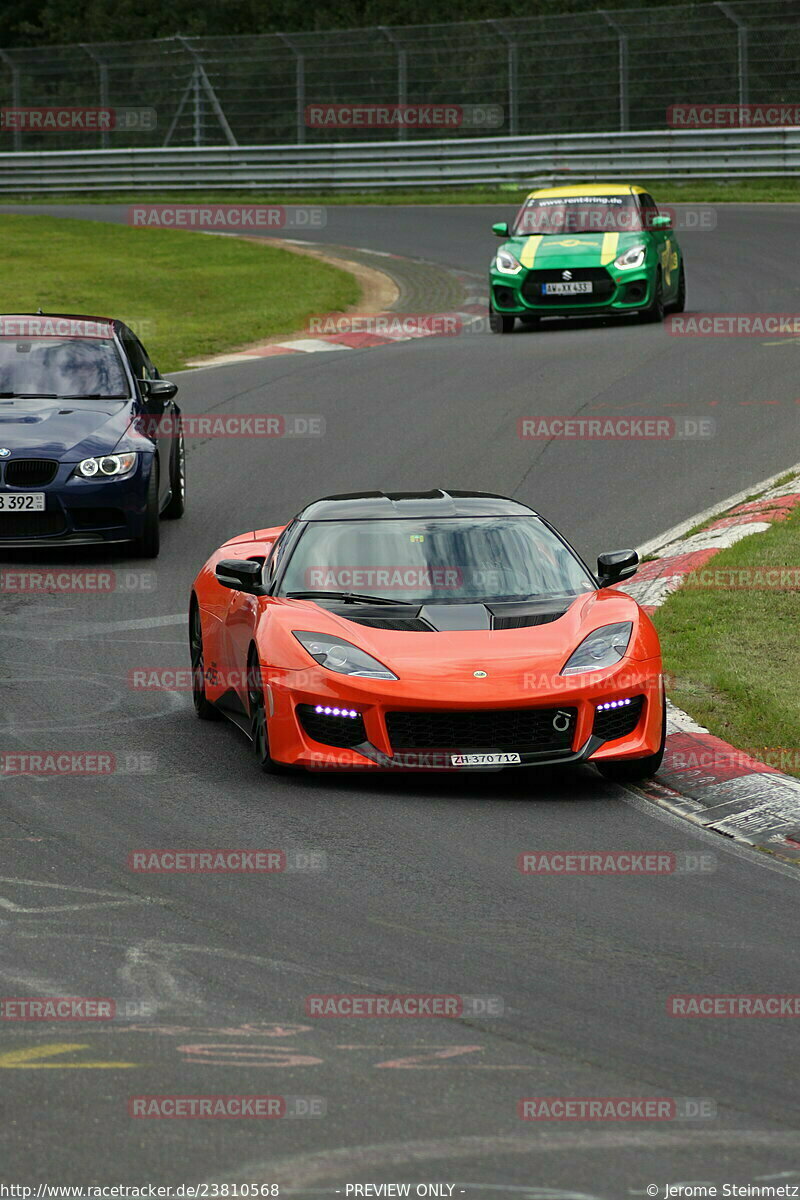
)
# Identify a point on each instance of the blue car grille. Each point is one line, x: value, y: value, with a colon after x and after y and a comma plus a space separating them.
x: 30, y: 524
x: 29, y: 472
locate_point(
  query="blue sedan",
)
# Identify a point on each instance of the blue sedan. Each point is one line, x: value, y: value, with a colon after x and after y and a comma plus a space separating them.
x: 91, y: 444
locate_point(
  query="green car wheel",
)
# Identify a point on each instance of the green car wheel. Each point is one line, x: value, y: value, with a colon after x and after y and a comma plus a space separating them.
x: 654, y: 313
x: 499, y: 323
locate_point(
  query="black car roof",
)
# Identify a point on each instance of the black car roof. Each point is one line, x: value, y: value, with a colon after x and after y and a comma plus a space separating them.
x: 352, y: 506
x: 70, y: 316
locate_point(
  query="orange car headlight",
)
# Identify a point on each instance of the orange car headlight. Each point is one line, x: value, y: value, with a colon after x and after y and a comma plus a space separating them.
x: 602, y: 648
x: 335, y: 654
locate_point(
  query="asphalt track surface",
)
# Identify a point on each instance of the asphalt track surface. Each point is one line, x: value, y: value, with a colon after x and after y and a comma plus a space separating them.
x: 420, y: 893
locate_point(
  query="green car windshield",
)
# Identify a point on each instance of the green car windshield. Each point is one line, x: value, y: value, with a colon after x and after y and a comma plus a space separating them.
x: 578, y: 214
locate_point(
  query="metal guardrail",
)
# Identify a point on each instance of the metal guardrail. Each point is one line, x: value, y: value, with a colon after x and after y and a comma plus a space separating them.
x: 526, y: 161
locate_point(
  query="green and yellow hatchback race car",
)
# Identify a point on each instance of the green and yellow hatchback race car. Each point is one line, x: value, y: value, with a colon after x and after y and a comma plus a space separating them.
x: 586, y: 250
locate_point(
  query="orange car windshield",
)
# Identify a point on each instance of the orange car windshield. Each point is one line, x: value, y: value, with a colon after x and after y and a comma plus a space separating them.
x: 456, y: 559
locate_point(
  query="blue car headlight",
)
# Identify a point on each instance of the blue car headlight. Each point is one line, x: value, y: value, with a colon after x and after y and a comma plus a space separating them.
x: 603, y: 647
x: 338, y: 655
x: 106, y: 466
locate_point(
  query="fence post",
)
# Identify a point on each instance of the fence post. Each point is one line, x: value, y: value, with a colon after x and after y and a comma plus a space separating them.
x: 624, y: 103
x: 512, y: 60
x: 197, y: 108
x: 16, y: 97
x: 102, y: 67
x: 201, y: 83
x: 299, y: 87
x: 402, y: 75
x: 742, y: 47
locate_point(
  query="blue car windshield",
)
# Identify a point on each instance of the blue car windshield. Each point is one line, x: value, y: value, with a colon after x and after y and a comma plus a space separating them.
x: 64, y: 367
x: 459, y: 559
x: 579, y: 214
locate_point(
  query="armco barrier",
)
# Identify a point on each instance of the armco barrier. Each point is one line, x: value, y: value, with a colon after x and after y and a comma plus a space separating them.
x: 540, y: 160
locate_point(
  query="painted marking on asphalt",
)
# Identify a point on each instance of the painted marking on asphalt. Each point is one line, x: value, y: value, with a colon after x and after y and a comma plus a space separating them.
x: 30, y: 1059
x: 233, y: 1054
x: 111, y: 899
x: 268, y: 1030
x: 63, y: 633
x: 423, y: 1061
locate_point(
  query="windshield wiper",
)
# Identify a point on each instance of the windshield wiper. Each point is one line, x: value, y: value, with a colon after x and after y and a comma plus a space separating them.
x: 29, y: 396
x: 347, y: 598
x: 93, y: 396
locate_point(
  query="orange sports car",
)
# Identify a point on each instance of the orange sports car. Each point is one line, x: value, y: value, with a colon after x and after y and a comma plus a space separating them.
x: 426, y: 631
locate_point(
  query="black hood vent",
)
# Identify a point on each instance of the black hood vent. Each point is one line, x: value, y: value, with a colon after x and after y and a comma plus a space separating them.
x: 402, y: 624
x: 522, y: 621
x: 451, y: 618
x: 534, y: 612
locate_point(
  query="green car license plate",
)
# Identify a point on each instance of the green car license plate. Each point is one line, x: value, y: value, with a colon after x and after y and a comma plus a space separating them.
x: 565, y: 289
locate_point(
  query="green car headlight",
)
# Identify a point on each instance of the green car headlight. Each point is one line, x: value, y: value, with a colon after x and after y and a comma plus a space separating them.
x: 506, y: 263
x: 630, y: 259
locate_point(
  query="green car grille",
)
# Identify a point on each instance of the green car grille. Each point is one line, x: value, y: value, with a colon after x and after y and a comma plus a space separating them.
x: 602, y: 285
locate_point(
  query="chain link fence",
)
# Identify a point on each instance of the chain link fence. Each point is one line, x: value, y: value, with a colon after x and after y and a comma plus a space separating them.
x: 610, y: 70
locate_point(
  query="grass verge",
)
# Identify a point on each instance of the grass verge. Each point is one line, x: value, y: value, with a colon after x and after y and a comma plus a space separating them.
x: 186, y: 296
x: 699, y: 191
x: 734, y: 652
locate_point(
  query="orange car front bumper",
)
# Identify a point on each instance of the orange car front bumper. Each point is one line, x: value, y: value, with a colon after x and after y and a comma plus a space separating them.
x: 293, y: 698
